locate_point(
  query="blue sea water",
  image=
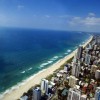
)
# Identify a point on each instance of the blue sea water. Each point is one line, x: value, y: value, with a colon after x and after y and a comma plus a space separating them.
x: 24, y: 52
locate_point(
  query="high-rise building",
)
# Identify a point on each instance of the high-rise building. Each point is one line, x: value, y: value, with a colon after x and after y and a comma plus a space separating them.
x: 82, y: 59
x: 72, y: 81
x: 79, y: 52
x: 75, y: 58
x: 24, y: 98
x: 76, y: 69
x: 93, y: 42
x: 66, y: 68
x: 89, y: 47
x: 97, y: 74
x: 36, y: 94
x: 44, y: 86
x: 98, y: 40
x: 87, y: 59
x: 74, y: 94
x: 95, y: 47
x: 97, y: 93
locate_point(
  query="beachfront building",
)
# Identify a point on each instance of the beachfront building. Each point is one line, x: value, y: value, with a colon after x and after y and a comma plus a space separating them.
x: 72, y: 81
x: 79, y: 52
x: 87, y: 59
x: 93, y: 42
x: 98, y: 40
x: 97, y: 93
x: 44, y: 86
x: 66, y: 68
x: 74, y: 94
x: 36, y: 94
x: 75, y: 58
x: 89, y: 46
x: 24, y: 98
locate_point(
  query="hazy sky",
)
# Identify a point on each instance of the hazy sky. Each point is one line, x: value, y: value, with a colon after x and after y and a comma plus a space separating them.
x: 82, y: 15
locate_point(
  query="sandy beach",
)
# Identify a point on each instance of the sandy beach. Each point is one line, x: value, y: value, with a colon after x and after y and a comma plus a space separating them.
x: 35, y: 79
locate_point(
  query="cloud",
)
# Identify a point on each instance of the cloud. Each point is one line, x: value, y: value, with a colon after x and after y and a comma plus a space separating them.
x: 20, y: 6
x: 75, y: 21
x: 91, y: 21
x: 91, y: 14
x: 85, y: 21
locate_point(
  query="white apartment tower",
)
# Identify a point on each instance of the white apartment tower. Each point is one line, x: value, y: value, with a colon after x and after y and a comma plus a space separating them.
x: 97, y: 93
x: 79, y: 52
x: 36, y: 94
x: 76, y: 69
x: 44, y: 86
x: 74, y: 94
x: 87, y: 59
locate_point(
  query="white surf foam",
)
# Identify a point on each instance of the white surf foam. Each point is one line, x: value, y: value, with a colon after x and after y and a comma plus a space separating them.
x: 69, y: 50
x: 66, y: 53
x: 55, y: 57
x: 29, y: 68
x: 44, y: 64
x: 49, y: 62
x: 23, y: 72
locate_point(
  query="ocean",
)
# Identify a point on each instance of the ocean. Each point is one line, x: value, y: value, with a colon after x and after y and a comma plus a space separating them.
x: 24, y: 52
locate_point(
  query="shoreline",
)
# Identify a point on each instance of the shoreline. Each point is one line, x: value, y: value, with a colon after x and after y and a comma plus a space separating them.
x: 16, y: 93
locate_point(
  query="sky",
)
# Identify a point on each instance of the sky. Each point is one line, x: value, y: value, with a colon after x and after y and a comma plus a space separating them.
x: 74, y: 15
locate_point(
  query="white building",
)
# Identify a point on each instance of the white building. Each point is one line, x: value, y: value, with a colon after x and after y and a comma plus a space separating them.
x: 65, y: 69
x: 75, y: 58
x: 97, y: 74
x: 24, y: 98
x: 97, y: 93
x: 95, y: 47
x: 87, y: 59
x: 76, y: 69
x: 89, y: 46
x: 79, y: 52
x: 44, y: 86
x: 36, y: 94
x: 74, y: 94
x: 72, y: 81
